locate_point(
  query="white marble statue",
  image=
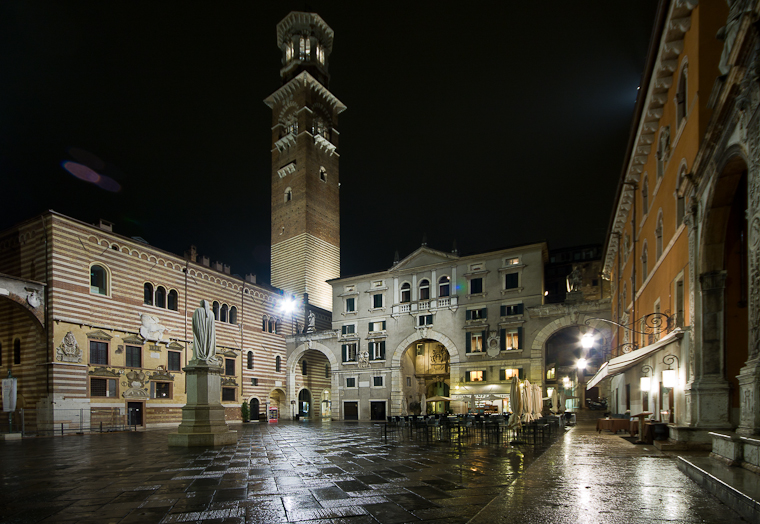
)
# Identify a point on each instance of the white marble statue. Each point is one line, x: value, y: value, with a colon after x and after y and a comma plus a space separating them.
x: 204, y: 334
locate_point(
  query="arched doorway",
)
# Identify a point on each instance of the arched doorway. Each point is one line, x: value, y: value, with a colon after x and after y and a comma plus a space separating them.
x: 254, y: 409
x: 304, y: 403
x: 425, y: 367
x: 563, y: 351
x: 277, y: 400
x: 326, y: 403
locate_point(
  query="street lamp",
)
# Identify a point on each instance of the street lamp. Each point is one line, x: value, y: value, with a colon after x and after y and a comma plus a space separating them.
x: 288, y: 306
x: 581, y: 364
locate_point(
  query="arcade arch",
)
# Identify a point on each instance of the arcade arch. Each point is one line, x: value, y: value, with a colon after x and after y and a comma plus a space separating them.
x: 311, y: 380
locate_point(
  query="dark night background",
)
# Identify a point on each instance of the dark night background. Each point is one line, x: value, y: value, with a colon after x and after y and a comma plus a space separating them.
x: 489, y: 123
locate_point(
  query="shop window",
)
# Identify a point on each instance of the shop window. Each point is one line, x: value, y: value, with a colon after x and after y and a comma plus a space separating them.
x: 98, y: 280
x: 173, y: 360
x: 134, y: 356
x: 160, y: 390
x: 103, y: 387
x: 98, y: 353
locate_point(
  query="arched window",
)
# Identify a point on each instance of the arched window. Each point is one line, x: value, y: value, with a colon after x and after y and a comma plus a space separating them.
x: 17, y: 351
x: 160, y: 297
x: 223, y: 313
x: 424, y: 289
x: 680, y: 199
x: 322, y: 174
x: 304, y: 48
x: 288, y: 195
x: 662, y: 151
x: 172, y: 301
x: 272, y: 326
x: 327, y: 370
x: 264, y: 323
x: 658, y: 235
x: 644, y: 195
x: 233, y: 315
x: 623, y: 303
x: 1, y: 354
x: 148, y: 294
x: 98, y: 280
x: 304, y: 368
x: 444, y: 286
x: 682, y: 98
x: 215, y: 307
x: 406, y: 292
x: 277, y: 363
x: 250, y: 360
x: 644, y: 267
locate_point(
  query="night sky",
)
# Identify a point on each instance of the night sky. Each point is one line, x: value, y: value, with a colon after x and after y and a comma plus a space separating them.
x: 491, y: 124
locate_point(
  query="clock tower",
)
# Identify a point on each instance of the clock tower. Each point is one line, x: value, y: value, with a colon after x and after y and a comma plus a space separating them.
x: 305, y: 182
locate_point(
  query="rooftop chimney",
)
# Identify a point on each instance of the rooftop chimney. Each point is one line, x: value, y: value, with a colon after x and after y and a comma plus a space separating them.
x: 105, y: 225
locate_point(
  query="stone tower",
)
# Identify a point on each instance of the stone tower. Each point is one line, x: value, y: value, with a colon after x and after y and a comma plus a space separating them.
x: 305, y: 181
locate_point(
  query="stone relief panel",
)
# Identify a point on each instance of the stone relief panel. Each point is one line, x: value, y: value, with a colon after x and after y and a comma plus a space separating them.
x: 69, y: 350
x: 135, y: 384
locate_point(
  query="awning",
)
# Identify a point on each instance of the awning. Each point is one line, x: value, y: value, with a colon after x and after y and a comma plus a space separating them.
x: 624, y: 362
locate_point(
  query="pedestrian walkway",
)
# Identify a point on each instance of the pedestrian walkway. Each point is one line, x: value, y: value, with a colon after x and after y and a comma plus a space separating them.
x: 345, y: 473
x: 317, y: 472
x: 592, y: 478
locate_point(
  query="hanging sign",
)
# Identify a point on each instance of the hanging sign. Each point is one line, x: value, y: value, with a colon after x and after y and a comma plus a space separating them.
x: 9, y: 394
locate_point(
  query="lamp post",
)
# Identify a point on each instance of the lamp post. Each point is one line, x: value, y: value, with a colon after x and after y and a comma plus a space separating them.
x: 288, y: 307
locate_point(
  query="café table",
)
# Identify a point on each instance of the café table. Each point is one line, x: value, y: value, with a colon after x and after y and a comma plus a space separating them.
x: 641, y: 417
x: 612, y: 424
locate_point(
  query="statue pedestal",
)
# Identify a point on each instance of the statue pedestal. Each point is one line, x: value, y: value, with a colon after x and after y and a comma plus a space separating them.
x: 203, y: 416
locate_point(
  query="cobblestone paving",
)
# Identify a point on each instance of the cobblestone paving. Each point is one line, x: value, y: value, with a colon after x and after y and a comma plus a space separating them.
x: 336, y: 472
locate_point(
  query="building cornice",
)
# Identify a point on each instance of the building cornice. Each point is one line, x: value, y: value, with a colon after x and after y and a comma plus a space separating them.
x: 304, y: 80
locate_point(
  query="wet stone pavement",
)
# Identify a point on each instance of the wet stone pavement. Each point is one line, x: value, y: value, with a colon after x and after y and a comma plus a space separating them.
x: 317, y: 472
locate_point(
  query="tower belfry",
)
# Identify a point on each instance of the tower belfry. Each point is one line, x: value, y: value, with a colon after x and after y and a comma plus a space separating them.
x: 305, y: 195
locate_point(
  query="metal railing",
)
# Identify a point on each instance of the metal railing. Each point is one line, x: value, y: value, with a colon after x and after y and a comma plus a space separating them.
x: 33, y: 423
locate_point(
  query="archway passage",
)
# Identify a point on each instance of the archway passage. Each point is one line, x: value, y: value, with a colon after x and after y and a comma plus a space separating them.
x: 254, y: 409
x: 563, y: 351
x: 736, y: 301
x: 304, y: 403
x: 326, y: 403
x: 277, y: 400
x: 425, y: 368
x: 314, y: 373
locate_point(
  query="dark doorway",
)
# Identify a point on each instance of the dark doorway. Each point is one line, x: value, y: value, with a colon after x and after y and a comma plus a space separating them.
x: 134, y: 413
x: 254, y: 409
x: 304, y: 401
x: 377, y: 410
x: 350, y: 411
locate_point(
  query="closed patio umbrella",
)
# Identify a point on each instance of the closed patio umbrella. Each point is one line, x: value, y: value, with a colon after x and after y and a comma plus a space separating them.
x: 515, y: 403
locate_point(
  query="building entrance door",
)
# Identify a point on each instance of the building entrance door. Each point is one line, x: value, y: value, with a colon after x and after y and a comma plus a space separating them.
x: 377, y: 410
x: 304, y: 400
x: 254, y: 409
x: 350, y: 411
x: 134, y: 413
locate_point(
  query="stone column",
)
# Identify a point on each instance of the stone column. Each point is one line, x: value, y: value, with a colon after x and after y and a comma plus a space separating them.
x: 692, y: 365
x: 709, y: 397
x: 203, y: 421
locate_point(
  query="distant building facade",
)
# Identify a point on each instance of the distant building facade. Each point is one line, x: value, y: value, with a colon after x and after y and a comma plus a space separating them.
x: 107, y: 326
x: 435, y: 324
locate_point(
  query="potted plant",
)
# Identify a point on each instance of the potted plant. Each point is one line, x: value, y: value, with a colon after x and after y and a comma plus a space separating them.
x: 244, y: 412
